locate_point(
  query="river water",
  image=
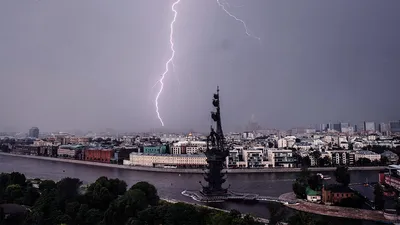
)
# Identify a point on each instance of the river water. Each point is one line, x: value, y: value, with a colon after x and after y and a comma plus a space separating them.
x: 169, y: 185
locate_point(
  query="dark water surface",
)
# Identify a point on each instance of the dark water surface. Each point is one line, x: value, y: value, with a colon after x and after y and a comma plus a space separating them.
x: 169, y: 185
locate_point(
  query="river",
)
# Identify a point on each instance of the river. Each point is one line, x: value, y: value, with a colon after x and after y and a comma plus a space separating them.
x: 169, y: 185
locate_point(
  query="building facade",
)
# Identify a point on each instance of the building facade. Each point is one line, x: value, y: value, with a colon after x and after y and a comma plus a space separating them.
x: 167, y: 161
x: 281, y: 158
x: 99, y: 155
x: 161, y: 149
x: 70, y: 151
x: 188, y: 147
x: 340, y: 157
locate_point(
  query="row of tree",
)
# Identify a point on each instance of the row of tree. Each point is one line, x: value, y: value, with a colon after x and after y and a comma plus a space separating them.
x: 104, y: 202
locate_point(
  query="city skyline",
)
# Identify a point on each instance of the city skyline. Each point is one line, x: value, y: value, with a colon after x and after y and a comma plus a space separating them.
x: 82, y: 65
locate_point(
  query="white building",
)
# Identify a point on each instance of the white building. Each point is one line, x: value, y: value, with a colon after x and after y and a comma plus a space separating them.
x: 282, y: 143
x: 188, y: 147
x: 166, y: 161
x: 253, y: 158
x: 368, y: 155
x: 281, y: 158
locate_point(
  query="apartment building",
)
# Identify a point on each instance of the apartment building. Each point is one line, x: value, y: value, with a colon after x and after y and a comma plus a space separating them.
x: 342, y: 157
x: 188, y: 147
x: 253, y: 158
x: 167, y: 161
x: 372, y: 156
x: 70, y: 151
x: 281, y: 158
x: 98, y: 155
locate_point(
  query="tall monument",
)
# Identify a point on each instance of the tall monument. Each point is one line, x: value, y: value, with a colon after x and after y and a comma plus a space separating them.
x: 216, y: 154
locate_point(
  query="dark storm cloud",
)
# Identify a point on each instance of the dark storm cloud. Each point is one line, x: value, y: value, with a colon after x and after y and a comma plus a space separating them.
x: 91, y: 65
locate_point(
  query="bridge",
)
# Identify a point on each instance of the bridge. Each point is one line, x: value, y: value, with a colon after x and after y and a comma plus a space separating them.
x: 236, y: 196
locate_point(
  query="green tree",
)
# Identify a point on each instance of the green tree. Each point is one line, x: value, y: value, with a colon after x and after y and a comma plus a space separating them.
x: 125, y: 206
x: 363, y: 162
x: 315, y: 182
x: 14, y: 193
x: 379, y: 197
x: 342, y: 175
x: 67, y: 190
x: 183, y: 214
x: 47, y: 186
x: 17, y: 178
x: 384, y: 161
x: 302, y: 218
x: 277, y: 213
x: 30, y: 196
x: 149, y: 190
x: 326, y: 161
x: 306, y: 161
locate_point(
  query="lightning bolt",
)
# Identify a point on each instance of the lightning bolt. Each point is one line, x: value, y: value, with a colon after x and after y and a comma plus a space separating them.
x: 222, y: 5
x: 170, y: 60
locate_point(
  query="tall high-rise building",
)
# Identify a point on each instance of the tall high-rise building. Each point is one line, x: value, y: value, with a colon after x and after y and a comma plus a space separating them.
x: 394, y: 126
x: 33, y: 132
x: 384, y: 128
x: 369, y: 126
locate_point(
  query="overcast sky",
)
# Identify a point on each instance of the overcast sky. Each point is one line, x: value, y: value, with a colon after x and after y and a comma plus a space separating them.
x: 91, y: 64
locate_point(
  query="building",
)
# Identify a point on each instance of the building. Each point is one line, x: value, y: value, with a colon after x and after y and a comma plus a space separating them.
x: 372, y: 156
x: 77, y: 140
x: 253, y: 158
x: 391, y: 177
x: 369, y: 127
x: 281, y: 158
x: 335, y: 193
x: 394, y: 126
x: 392, y: 157
x: 122, y: 153
x: 188, y: 147
x: 70, y: 151
x: 313, y: 196
x: 340, y: 157
x: 384, y: 128
x: 166, y: 161
x: 232, y: 161
x: 99, y: 155
x: 25, y: 150
x: 161, y: 149
x: 33, y: 132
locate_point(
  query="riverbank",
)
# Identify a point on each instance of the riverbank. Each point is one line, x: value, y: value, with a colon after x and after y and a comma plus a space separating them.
x: 173, y: 201
x: 334, y: 211
x: 191, y: 171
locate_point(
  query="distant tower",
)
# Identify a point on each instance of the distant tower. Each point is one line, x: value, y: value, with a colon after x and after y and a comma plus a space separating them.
x: 216, y: 154
x: 33, y: 132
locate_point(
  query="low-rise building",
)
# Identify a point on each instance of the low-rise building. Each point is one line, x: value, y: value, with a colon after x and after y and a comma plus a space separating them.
x: 253, y: 158
x: 70, y: 151
x: 335, y: 193
x: 281, y: 158
x: 232, y: 161
x: 98, y: 155
x: 188, y: 147
x: 342, y: 157
x: 160, y: 149
x: 312, y: 195
x: 372, y: 156
x: 391, y: 177
x: 167, y: 161
x: 392, y: 157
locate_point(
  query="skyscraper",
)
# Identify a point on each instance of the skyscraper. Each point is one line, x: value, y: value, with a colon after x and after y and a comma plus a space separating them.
x: 33, y: 132
x: 369, y: 126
